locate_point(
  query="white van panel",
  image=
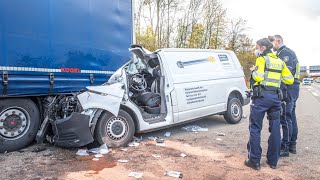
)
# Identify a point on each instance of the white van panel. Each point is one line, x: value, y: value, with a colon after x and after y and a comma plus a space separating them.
x: 198, y: 65
x: 202, y: 80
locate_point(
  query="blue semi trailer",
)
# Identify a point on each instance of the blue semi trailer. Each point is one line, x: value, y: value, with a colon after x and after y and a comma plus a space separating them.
x: 50, y: 50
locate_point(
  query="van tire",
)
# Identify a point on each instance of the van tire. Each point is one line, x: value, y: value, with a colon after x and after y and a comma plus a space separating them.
x: 114, y: 131
x: 19, y: 118
x: 234, y: 112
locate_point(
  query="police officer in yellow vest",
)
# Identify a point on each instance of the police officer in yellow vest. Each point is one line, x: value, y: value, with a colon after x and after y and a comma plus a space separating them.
x: 268, y: 74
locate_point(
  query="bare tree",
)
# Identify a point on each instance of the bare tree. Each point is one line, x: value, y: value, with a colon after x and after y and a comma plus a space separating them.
x: 237, y: 28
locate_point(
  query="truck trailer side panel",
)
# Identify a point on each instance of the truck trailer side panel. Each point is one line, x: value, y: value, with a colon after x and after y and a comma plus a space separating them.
x: 56, y: 47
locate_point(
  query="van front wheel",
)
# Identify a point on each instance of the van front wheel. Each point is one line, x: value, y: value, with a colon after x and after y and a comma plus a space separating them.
x: 234, y: 112
x: 115, y: 131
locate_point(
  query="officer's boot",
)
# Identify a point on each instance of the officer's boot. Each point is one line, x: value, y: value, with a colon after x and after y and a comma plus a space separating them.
x: 293, y: 149
x: 284, y: 152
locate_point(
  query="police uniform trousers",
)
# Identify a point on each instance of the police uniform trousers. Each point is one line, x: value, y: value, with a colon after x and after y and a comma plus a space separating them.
x: 288, y: 118
x: 269, y: 104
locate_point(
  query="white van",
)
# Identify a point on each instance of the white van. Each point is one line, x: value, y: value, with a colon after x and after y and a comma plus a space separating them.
x: 162, y: 89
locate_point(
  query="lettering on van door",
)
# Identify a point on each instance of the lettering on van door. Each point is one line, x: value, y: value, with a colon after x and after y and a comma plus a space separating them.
x: 195, y: 94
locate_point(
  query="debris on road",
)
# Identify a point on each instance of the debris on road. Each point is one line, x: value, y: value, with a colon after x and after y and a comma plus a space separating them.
x: 82, y: 152
x: 124, y: 149
x: 183, y: 155
x: 47, y: 154
x: 152, y: 138
x: 136, y: 139
x: 98, y: 155
x: 159, y: 140
x: 103, y: 149
x: 136, y: 175
x: 95, y: 159
x: 156, y: 155
x: 123, y: 161
x: 97, y: 151
x: 134, y: 144
x: 39, y: 149
x: 167, y: 134
x: 195, y: 128
x: 220, y: 134
x: 175, y: 174
x: 244, y: 116
x: 161, y: 144
x: 218, y: 139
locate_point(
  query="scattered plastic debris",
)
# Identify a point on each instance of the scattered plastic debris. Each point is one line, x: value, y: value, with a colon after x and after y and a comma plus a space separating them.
x: 123, y: 161
x: 47, y: 154
x: 161, y: 144
x: 183, y: 155
x: 218, y: 139
x: 136, y: 139
x: 152, y: 138
x: 159, y: 140
x: 175, y: 174
x: 195, y: 128
x: 134, y: 144
x: 103, y: 149
x: 220, y: 134
x: 39, y: 149
x: 95, y: 159
x: 124, y: 149
x: 136, y: 174
x: 167, y: 134
x: 98, y: 155
x: 82, y: 152
x: 244, y: 116
x: 156, y: 155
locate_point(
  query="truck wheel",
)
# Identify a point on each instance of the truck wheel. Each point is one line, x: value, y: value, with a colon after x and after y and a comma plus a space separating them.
x: 234, y: 112
x: 19, y: 123
x: 115, y: 131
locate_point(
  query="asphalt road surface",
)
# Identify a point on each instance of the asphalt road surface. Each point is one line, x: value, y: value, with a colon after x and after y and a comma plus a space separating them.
x: 209, y: 156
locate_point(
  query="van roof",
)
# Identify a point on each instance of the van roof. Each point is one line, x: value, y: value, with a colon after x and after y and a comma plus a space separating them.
x: 194, y: 50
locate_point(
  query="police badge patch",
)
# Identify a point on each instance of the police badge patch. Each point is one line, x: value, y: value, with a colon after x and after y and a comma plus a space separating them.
x: 286, y: 58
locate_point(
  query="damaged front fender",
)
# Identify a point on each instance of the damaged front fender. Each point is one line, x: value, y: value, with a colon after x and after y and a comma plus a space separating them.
x: 107, y: 97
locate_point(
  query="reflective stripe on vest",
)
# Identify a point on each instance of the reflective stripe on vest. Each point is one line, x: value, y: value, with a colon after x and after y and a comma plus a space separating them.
x: 272, y: 72
x: 297, y: 74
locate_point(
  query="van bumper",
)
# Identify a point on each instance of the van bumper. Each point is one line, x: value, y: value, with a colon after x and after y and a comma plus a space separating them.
x: 72, y: 131
x: 246, y: 101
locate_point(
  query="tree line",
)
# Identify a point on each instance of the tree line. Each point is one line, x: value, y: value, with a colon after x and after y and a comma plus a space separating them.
x: 192, y: 24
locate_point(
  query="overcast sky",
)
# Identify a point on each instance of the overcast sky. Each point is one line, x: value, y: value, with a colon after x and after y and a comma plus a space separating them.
x: 297, y: 21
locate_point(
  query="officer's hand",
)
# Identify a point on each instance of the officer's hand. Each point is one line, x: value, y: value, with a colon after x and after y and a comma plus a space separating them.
x: 253, y: 68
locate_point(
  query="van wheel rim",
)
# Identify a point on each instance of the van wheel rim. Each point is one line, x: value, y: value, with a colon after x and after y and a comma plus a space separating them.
x: 235, y: 110
x: 117, y: 128
x: 14, y: 122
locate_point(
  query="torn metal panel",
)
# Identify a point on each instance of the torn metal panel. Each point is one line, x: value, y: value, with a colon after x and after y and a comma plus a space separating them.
x: 107, y: 97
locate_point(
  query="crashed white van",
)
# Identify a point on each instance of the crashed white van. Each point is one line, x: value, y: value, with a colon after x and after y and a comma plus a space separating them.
x: 165, y: 88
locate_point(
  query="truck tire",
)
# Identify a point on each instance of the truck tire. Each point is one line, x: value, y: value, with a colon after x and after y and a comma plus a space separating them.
x: 234, y: 112
x: 19, y: 123
x: 114, y: 131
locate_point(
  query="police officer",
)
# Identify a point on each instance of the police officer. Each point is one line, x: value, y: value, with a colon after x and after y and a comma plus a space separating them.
x: 291, y: 93
x: 268, y: 73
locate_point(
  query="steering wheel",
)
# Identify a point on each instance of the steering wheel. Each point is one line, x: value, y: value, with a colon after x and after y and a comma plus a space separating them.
x: 138, y: 82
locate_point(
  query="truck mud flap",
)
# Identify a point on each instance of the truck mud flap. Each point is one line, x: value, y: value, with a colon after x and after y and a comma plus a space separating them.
x: 72, y: 131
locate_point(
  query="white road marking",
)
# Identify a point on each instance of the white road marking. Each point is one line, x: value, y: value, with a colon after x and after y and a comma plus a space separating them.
x: 315, y: 94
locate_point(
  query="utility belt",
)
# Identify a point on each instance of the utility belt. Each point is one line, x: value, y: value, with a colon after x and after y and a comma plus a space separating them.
x: 260, y: 90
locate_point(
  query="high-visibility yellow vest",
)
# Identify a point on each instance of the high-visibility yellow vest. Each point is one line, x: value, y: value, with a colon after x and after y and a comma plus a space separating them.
x: 271, y: 71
